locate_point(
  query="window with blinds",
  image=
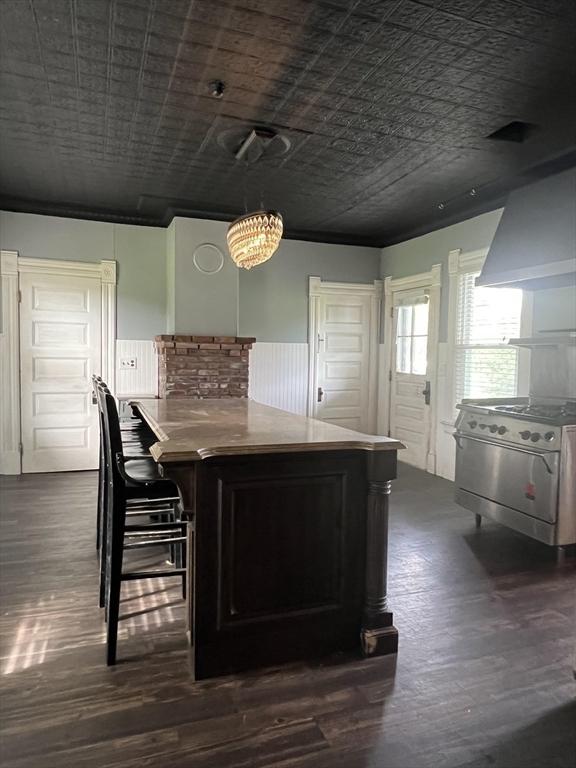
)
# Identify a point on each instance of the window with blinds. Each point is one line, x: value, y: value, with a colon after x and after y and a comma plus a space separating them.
x: 485, y: 366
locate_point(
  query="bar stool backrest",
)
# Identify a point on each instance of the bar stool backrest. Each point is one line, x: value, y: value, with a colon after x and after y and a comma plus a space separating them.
x: 112, y: 434
x: 96, y: 380
x: 98, y: 385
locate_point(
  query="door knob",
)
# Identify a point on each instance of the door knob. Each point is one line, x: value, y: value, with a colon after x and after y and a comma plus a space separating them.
x: 320, y: 394
x: 426, y: 393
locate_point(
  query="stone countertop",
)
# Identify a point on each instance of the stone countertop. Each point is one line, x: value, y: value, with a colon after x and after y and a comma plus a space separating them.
x: 191, y: 430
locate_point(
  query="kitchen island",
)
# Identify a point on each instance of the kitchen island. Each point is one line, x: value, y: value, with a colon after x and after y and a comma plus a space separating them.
x: 287, y: 551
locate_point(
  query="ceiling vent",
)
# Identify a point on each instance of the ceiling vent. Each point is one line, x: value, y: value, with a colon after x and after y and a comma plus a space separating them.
x: 516, y: 131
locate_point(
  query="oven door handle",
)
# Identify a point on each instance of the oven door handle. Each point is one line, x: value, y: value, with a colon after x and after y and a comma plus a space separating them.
x: 457, y: 437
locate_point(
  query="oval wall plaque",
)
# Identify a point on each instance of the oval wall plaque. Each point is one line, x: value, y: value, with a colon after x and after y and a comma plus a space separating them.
x: 208, y: 258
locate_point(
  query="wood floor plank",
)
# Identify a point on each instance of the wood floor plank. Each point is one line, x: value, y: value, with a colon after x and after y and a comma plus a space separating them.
x: 483, y: 677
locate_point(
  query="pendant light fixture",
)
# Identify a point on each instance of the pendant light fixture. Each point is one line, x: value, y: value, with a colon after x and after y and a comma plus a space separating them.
x: 255, y: 237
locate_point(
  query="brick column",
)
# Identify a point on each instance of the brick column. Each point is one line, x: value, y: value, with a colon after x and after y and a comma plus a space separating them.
x: 203, y: 366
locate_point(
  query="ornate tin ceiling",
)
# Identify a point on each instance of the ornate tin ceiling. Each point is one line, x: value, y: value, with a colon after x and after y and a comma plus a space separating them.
x: 107, y: 108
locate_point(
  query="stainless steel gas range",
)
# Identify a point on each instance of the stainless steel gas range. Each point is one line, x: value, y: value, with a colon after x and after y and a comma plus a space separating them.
x: 516, y: 464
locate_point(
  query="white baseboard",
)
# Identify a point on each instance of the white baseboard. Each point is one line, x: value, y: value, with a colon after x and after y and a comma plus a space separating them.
x: 10, y: 463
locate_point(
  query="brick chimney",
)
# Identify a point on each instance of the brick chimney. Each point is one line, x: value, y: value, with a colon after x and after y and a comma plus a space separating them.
x: 203, y: 366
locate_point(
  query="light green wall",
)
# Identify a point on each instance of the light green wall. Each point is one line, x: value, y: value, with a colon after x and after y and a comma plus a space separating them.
x: 139, y: 251
x: 160, y: 289
x: 419, y: 254
x: 141, y: 256
x: 269, y: 302
x: 204, y: 304
x: 274, y: 296
x: 51, y: 237
x: 171, y: 278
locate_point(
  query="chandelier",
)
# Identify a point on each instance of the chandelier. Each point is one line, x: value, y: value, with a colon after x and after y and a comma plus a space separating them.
x: 254, y: 238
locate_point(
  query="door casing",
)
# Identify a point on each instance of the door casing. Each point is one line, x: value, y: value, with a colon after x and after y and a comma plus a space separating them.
x: 11, y: 266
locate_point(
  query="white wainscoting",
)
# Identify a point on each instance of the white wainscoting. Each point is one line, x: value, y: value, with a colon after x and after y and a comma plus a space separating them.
x: 142, y: 380
x: 279, y: 375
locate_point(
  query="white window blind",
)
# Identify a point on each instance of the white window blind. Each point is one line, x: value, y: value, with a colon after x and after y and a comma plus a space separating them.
x: 485, y: 366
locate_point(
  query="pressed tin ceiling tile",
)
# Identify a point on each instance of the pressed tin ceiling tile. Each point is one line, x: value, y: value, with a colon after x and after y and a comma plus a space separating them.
x: 105, y: 103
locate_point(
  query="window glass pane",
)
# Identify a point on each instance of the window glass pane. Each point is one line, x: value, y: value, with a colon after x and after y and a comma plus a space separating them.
x: 419, y: 361
x: 404, y: 325
x: 496, y: 315
x: 486, y: 315
x: 486, y: 372
x: 486, y: 319
x: 403, y: 354
x: 420, y: 320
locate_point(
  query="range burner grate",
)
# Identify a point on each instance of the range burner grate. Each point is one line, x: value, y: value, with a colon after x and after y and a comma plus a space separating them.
x: 542, y: 411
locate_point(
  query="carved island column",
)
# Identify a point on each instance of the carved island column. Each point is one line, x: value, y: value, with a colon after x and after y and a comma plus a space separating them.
x: 379, y: 636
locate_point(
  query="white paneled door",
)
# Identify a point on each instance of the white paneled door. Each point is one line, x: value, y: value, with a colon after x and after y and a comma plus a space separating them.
x: 343, y: 368
x: 409, y: 383
x: 60, y: 348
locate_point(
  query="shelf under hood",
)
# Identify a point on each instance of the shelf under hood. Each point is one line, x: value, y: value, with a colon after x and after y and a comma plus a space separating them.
x: 566, y: 339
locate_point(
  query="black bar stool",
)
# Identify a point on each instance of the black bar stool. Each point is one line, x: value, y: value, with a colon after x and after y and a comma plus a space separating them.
x: 135, y: 446
x: 123, y: 485
x: 160, y: 500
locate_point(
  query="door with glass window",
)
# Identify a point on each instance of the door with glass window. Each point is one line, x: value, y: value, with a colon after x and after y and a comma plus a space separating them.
x: 409, y: 384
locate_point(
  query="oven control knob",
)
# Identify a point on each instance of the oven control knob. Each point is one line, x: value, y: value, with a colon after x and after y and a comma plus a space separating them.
x: 483, y: 426
x: 502, y: 430
x: 549, y: 436
x: 472, y: 424
x: 535, y: 436
x: 493, y: 428
x: 525, y: 434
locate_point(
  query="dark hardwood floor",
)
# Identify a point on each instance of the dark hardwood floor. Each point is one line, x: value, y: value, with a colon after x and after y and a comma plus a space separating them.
x: 483, y: 677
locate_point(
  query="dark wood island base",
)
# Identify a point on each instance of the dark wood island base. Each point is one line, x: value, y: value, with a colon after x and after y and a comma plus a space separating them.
x: 287, y: 555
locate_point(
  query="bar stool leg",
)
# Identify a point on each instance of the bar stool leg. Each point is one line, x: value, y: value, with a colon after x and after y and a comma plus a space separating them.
x: 104, y: 549
x: 180, y: 559
x: 114, y: 585
x: 99, y: 510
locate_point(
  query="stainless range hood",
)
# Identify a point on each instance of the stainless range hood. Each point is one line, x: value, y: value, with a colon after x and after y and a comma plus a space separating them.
x: 535, y: 244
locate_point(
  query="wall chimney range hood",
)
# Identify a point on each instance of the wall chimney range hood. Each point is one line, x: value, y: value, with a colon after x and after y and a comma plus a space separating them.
x: 535, y: 244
